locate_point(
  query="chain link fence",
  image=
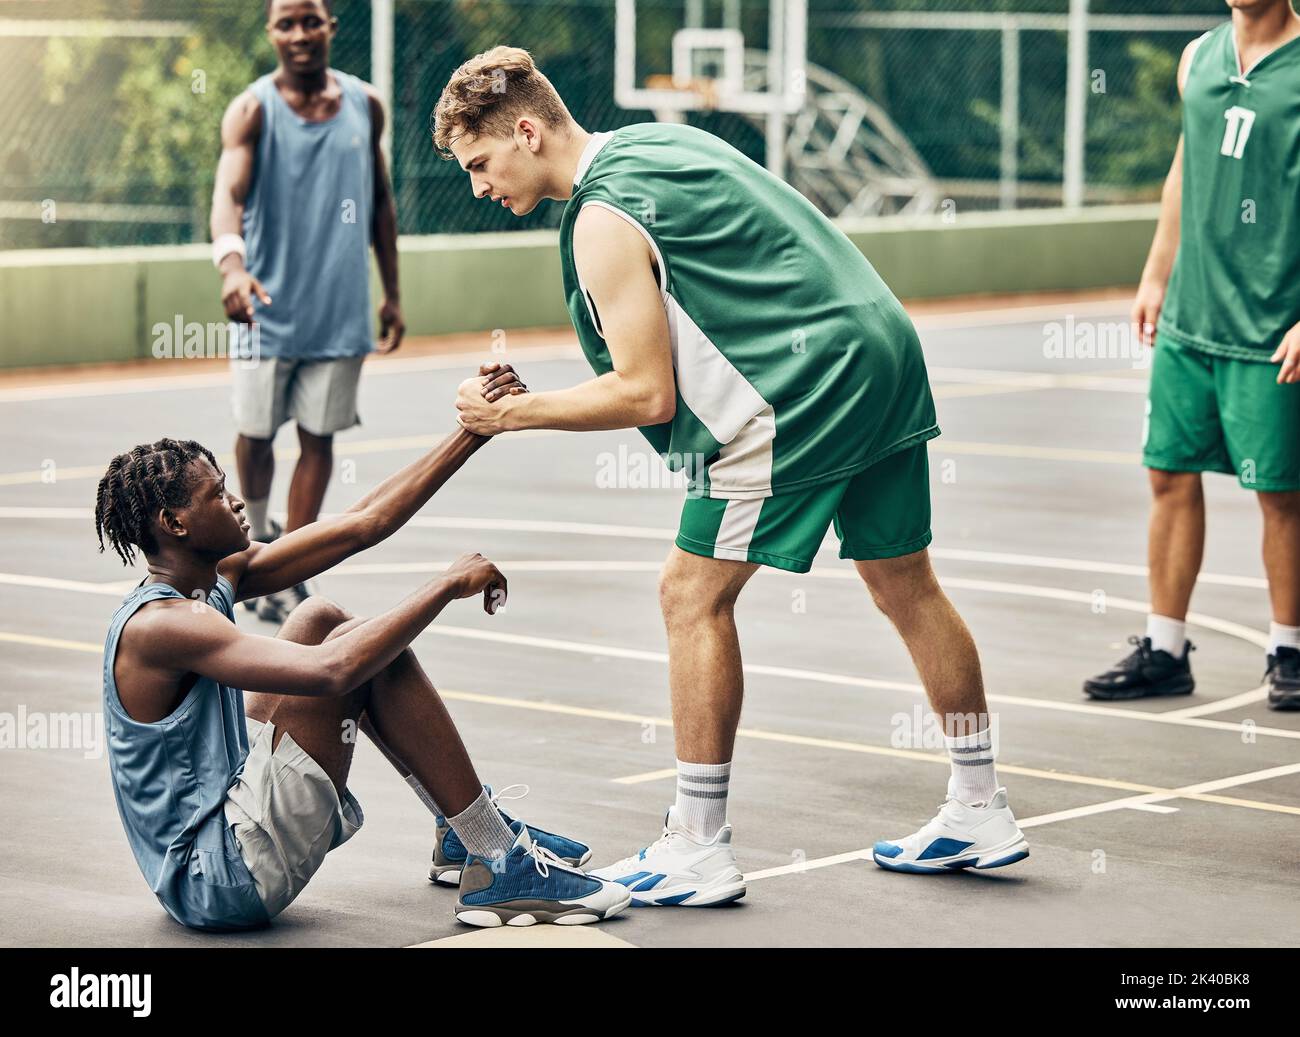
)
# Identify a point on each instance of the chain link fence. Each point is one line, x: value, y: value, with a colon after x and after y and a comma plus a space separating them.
x: 110, y: 111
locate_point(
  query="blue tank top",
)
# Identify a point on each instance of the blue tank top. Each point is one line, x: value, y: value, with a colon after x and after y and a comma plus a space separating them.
x: 307, y: 226
x: 170, y: 780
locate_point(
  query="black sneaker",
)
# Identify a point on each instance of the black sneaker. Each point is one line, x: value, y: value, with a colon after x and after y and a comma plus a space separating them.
x: 1144, y: 674
x: 1283, y: 679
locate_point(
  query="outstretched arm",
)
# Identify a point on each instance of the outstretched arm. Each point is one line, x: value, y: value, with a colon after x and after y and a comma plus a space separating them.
x: 307, y: 552
x: 192, y: 637
x: 616, y: 266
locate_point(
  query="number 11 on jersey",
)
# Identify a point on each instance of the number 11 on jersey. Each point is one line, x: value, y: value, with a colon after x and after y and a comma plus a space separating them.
x: 1239, y: 121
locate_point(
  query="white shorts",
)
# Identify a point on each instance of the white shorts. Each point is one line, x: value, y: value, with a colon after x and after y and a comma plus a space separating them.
x: 320, y: 395
x: 286, y: 816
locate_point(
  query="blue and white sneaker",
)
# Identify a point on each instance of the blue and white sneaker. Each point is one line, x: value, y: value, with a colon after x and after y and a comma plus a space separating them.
x: 531, y: 885
x: 680, y: 870
x: 449, y: 852
x: 960, y: 836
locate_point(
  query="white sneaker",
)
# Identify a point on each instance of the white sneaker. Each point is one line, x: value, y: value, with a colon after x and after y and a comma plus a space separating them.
x: 680, y: 869
x: 959, y: 836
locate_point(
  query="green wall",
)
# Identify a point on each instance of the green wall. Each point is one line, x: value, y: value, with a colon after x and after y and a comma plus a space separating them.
x: 86, y: 305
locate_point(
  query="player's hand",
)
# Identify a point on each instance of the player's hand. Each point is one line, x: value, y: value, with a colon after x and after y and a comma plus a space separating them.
x: 476, y: 414
x: 470, y: 574
x: 391, y: 326
x: 502, y: 380
x: 237, y: 290
x: 1288, y: 355
x: 1146, y: 311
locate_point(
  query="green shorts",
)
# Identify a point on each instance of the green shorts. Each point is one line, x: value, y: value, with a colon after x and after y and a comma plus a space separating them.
x: 1208, y: 413
x: 880, y: 512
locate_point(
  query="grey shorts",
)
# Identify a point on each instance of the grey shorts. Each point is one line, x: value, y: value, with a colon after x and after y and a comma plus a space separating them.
x: 320, y: 395
x: 286, y: 816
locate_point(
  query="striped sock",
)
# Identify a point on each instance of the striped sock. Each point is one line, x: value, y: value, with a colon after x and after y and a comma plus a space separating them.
x: 702, y: 797
x: 974, y: 778
x: 481, y: 829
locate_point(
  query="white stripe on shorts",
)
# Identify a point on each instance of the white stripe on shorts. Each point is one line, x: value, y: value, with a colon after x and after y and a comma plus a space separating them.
x: 737, y: 529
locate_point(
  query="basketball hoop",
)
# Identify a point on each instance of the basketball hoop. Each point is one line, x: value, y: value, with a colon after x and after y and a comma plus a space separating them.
x: 705, y: 88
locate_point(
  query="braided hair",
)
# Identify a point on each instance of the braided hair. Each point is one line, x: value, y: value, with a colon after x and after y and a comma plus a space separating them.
x: 137, y: 485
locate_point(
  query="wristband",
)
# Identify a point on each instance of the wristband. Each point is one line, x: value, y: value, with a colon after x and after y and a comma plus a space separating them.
x: 226, y: 244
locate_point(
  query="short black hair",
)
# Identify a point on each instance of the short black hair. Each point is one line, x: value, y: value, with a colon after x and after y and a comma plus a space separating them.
x: 137, y: 484
x: 329, y: 7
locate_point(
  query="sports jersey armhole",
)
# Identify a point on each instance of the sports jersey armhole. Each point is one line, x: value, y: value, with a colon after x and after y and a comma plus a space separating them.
x: 1191, y: 59
x: 664, y: 280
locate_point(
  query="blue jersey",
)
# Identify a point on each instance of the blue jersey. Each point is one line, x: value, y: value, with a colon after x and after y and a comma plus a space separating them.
x: 307, y: 226
x: 170, y: 780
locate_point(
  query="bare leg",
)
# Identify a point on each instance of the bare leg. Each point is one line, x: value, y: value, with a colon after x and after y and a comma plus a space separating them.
x: 906, y: 591
x: 698, y: 596
x: 1175, y: 541
x: 255, y: 462
x: 1282, y: 554
x: 414, y: 730
x: 311, y: 477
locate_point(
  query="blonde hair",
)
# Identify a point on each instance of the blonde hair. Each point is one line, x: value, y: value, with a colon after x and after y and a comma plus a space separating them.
x: 489, y: 92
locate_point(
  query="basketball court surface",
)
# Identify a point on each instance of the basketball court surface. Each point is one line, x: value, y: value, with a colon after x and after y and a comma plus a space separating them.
x: 1149, y: 823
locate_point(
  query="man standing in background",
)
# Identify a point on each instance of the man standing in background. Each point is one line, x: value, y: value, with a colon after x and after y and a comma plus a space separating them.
x: 302, y: 192
x: 1221, y: 292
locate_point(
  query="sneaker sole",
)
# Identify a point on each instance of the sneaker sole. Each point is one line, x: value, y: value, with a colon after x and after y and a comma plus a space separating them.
x: 449, y: 874
x: 727, y: 893
x: 495, y: 917
x: 998, y: 857
x: 1124, y: 694
x: 1284, y: 702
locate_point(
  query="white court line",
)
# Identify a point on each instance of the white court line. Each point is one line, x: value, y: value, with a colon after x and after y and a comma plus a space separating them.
x: 1178, y: 718
x: 637, y: 779
x: 1153, y: 808
x: 206, y: 379
x: 1081, y: 565
x: 1039, y: 380
x: 1245, y: 698
x: 567, y: 350
x: 1128, y: 802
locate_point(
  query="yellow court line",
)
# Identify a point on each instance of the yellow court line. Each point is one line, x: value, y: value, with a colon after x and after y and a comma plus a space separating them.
x: 50, y: 642
x: 871, y: 750
x: 343, y: 449
x: 757, y: 734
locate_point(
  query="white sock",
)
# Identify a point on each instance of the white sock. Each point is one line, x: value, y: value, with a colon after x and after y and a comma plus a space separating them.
x: 1280, y: 636
x: 481, y: 829
x: 702, y: 797
x: 1167, y: 635
x: 423, y: 793
x: 974, y: 777
x: 256, y: 512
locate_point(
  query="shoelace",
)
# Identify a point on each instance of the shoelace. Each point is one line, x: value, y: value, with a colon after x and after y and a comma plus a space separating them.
x: 659, y: 843
x: 498, y: 796
x: 544, y: 860
x: 1143, y: 653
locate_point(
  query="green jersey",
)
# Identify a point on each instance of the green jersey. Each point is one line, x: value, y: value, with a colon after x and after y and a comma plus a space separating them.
x: 795, y: 365
x: 1235, y: 286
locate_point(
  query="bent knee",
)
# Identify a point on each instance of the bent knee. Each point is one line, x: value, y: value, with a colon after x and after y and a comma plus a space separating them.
x: 314, y: 619
x: 897, y: 584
